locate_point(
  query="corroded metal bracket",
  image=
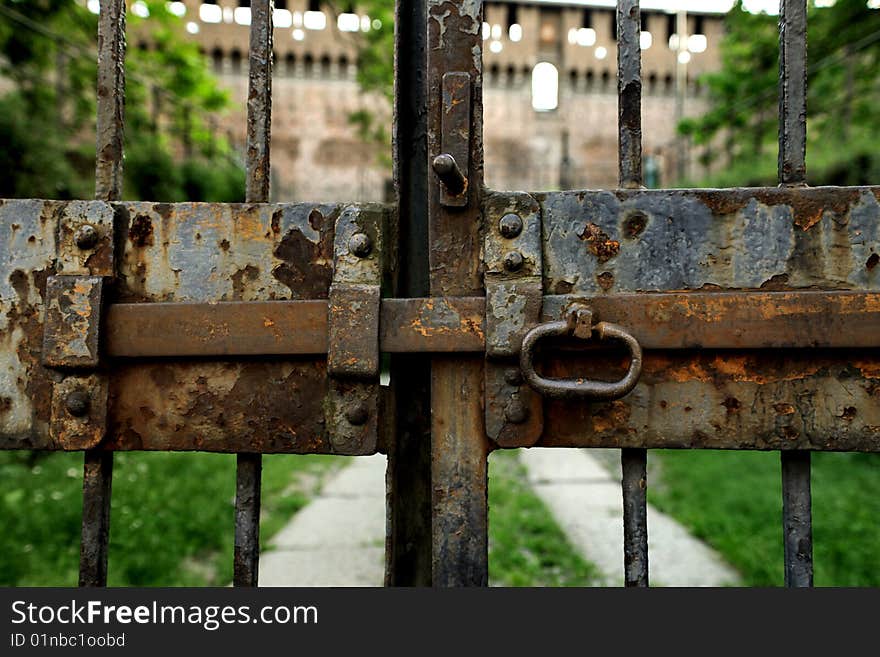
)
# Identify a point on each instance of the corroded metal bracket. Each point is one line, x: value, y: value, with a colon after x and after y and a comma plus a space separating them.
x: 352, y: 405
x: 512, y: 258
x: 72, y: 323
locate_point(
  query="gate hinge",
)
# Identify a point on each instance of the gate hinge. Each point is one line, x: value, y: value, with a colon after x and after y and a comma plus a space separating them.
x: 72, y: 325
x: 352, y: 407
x: 513, y: 268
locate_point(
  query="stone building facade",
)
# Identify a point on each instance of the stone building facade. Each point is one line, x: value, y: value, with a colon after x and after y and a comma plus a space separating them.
x: 316, y: 152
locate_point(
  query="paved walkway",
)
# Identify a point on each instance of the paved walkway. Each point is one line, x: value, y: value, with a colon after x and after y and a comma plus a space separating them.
x: 338, y: 539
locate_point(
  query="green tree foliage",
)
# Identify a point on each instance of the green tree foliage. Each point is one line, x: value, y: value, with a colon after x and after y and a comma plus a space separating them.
x: 47, y: 56
x: 842, y: 105
x: 376, y: 76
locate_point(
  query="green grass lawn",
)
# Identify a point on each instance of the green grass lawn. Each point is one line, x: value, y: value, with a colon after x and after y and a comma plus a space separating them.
x: 526, y: 546
x: 171, y: 518
x: 733, y: 501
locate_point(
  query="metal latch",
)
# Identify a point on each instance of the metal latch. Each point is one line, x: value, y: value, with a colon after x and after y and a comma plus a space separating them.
x: 352, y: 406
x: 453, y: 164
x: 578, y: 322
x: 512, y: 258
x: 71, y: 328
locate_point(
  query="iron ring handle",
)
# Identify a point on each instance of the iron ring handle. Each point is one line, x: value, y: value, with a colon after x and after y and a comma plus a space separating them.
x: 579, y: 388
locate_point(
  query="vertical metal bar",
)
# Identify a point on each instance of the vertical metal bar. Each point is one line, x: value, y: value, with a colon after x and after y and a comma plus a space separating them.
x: 259, y: 103
x: 629, y: 93
x: 797, y: 519
x: 792, y: 92
x: 459, y: 447
x: 249, y: 467
x: 408, y: 543
x: 97, y: 483
x: 111, y: 100
x: 109, y: 130
x: 634, y: 482
x: 797, y: 524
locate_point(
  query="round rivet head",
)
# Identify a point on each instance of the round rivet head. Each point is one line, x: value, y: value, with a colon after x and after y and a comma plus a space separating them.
x: 515, y: 412
x: 77, y: 402
x: 513, y: 377
x: 360, y: 245
x: 510, y: 226
x: 86, y: 237
x: 513, y: 261
x: 357, y: 414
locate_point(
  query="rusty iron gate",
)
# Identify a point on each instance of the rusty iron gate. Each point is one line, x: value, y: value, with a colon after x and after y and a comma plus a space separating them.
x: 628, y: 318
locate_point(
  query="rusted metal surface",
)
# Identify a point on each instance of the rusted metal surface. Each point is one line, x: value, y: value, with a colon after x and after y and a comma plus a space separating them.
x: 765, y: 400
x: 73, y: 321
x: 352, y: 407
x: 707, y: 320
x: 85, y: 239
x: 243, y: 328
x: 662, y: 240
x: 633, y: 462
x: 634, y: 487
x: 97, y: 468
x: 737, y: 320
x: 458, y: 442
x: 246, y: 552
x: 111, y: 99
x: 796, y: 509
x: 408, y: 440
x: 259, y: 103
x: 581, y: 388
x: 797, y: 523
x: 513, y: 304
x: 433, y: 325
x: 97, y: 486
x: 792, y: 92
x: 452, y: 166
x: 79, y: 412
x: 629, y: 93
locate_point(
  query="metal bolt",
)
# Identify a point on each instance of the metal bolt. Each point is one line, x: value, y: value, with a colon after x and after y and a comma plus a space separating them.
x: 357, y: 414
x: 513, y: 261
x: 516, y: 412
x: 513, y: 377
x: 450, y: 174
x: 360, y: 245
x: 86, y: 237
x: 510, y: 225
x: 77, y: 402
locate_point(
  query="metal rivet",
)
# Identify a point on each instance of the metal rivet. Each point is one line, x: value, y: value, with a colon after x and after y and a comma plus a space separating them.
x: 515, y: 412
x: 513, y: 261
x: 360, y: 245
x: 86, y: 237
x: 357, y: 414
x: 513, y: 377
x: 510, y: 225
x: 77, y: 402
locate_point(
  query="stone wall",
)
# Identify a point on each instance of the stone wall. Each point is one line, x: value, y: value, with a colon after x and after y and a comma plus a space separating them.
x: 317, y: 154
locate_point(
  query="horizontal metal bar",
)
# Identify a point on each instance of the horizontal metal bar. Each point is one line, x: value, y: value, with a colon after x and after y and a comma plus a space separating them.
x: 717, y: 320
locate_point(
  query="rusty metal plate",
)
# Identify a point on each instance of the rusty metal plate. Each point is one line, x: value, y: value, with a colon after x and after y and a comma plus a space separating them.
x: 85, y: 238
x: 79, y: 412
x: 664, y: 240
x: 73, y: 321
x: 768, y: 399
x: 611, y: 247
x: 191, y: 252
x: 354, y: 331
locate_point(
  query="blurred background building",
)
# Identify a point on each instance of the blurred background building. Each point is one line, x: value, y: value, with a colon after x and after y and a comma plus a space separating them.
x: 549, y: 90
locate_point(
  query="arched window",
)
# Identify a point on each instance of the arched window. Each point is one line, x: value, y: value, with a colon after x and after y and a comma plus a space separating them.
x: 545, y: 87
